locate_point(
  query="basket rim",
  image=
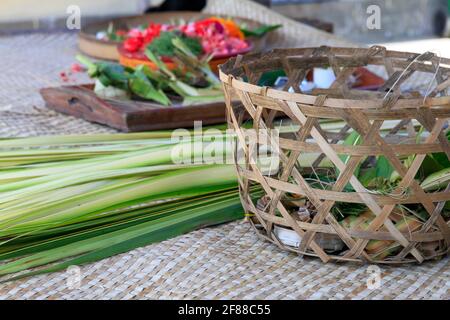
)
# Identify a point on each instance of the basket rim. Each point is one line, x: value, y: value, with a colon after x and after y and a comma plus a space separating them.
x: 226, y: 76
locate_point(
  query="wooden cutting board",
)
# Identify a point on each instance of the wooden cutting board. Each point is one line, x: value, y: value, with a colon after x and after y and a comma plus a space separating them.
x: 129, y: 116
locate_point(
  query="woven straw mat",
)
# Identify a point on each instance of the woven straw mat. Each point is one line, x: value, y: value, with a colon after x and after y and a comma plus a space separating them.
x: 226, y: 261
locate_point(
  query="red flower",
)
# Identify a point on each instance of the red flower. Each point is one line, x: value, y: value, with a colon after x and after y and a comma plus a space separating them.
x: 133, y: 44
x: 153, y: 31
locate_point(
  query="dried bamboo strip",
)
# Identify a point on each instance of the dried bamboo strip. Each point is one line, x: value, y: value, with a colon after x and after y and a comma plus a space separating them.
x: 351, y: 197
x: 427, y: 226
x: 330, y: 113
x: 361, y: 150
x: 416, y: 236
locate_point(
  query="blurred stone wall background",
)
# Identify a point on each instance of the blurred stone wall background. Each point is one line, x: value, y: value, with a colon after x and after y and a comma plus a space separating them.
x: 400, y: 19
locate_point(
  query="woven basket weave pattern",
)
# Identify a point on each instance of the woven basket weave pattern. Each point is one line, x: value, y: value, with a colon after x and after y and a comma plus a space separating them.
x: 364, y: 112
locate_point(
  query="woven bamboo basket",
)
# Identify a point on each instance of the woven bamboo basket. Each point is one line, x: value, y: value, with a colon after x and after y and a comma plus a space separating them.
x: 364, y: 112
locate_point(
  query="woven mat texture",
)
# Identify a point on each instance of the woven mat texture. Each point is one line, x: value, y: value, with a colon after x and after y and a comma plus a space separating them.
x: 227, y: 261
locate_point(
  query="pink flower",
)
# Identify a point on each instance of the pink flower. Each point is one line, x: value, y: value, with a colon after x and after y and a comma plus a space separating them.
x: 76, y: 67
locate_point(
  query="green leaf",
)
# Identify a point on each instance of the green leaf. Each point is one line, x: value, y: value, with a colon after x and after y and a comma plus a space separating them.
x: 92, y: 67
x: 159, y: 63
x: 183, y: 89
x: 367, y: 176
x: 383, y: 168
x: 441, y: 158
x: 104, y: 80
x: 352, y: 139
x: 429, y: 166
x: 260, y: 31
x: 115, y: 73
x: 436, y: 180
x: 184, y: 54
x: 142, y: 87
x: 268, y: 78
x: 192, y: 100
x: 163, y: 45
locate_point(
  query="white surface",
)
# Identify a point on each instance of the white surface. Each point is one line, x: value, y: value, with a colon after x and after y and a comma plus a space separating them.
x: 323, y: 78
x: 440, y: 46
x: 287, y: 236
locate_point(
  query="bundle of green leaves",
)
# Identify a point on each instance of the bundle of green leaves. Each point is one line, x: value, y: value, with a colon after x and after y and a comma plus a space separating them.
x: 164, y: 46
